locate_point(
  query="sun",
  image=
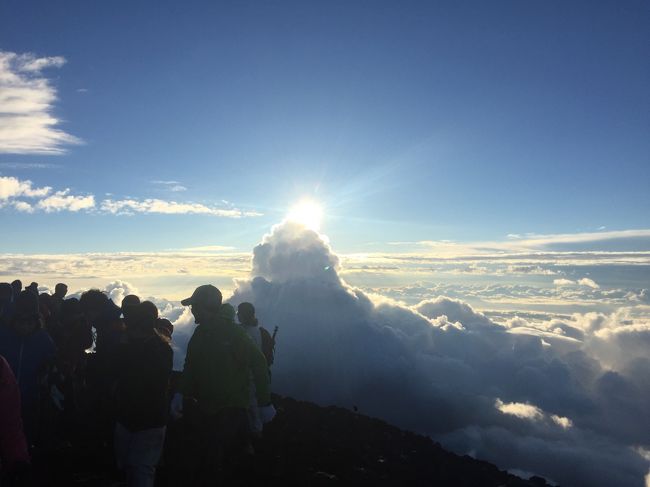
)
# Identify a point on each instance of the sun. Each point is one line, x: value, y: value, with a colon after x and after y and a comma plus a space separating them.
x: 308, y: 213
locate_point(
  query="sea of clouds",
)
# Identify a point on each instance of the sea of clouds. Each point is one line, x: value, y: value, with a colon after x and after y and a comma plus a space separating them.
x: 567, y: 398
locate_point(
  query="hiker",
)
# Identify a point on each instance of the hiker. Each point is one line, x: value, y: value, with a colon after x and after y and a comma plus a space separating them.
x: 17, y: 287
x: 14, y: 455
x: 165, y: 327
x: 56, y: 301
x: 28, y: 349
x: 215, y: 382
x: 6, y: 302
x: 265, y: 343
x: 144, y: 364
x: 260, y: 335
x: 102, y: 314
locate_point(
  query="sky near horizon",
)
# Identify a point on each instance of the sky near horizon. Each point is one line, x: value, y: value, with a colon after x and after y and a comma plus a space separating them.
x: 202, y: 123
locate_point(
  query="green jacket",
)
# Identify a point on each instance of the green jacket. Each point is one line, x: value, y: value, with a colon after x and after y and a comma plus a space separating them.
x: 218, y: 365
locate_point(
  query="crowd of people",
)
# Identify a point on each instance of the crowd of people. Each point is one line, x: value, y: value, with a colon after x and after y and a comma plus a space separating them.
x: 86, y: 375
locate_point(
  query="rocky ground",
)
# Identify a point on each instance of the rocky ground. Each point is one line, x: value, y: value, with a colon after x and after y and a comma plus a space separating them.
x: 305, y: 445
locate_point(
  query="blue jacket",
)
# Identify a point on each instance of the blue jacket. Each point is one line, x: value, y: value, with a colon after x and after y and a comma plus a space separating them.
x: 26, y: 356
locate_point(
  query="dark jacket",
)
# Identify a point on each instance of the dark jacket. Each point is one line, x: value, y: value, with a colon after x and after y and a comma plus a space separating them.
x: 27, y: 356
x: 13, y: 446
x: 218, y: 365
x: 144, y: 368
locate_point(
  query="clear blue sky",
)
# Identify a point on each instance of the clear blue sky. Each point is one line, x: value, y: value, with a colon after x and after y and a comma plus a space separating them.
x: 408, y: 120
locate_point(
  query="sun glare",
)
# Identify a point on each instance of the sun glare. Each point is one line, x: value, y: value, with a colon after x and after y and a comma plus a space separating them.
x: 308, y: 213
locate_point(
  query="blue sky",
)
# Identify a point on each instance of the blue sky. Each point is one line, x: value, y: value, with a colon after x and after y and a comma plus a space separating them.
x: 408, y: 121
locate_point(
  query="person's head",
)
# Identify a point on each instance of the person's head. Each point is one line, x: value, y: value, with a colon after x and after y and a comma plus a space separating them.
x: 33, y: 287
x: 227, y: 312
x: 150, y: 308
x: 27, y: 318
x: 205, y: 302
x: 60, y: 290
x: 92, y: 303
x: 246, y: 314
x: 17, y: 287
x: 141, y: 323
x: 165, y: 327
x: 128, y: 302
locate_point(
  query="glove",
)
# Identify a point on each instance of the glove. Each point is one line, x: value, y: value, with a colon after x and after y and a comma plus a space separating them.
x: 176, y: 409
x: 267, y: 413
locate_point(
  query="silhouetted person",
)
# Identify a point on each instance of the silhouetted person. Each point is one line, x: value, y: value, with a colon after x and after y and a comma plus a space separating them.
x: 144, y: 365
x: 14, y: 455
x: 165, y: 327
x: 33, y: 288
x: 150, y: 308
x: 104, y: 316
x: 28, y: 348
x: 17, y: 286
x: 128, y: 303
x: 60, y: 291
x: 6, y: 302
x: 260, y: 335
x: 77, y: 332
x: 264, y: 342
x: 215, y: 382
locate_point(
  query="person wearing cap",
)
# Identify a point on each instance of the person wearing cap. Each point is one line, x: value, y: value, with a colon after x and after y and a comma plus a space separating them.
x: 220, y: 360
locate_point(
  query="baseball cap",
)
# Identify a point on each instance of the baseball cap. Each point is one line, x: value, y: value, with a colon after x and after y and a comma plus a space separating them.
x: 206, y: 295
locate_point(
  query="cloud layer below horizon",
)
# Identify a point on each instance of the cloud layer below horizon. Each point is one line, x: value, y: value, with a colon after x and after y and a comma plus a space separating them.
x: 560, y: 397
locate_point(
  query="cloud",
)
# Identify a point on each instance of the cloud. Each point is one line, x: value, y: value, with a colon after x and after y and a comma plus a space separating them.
x: 564, y: 282
x: 632, y: 239
x: 63, y: 201
x: 585, y: 281
x: 208, y: 248
x: 520, y: 410
x: 27, y: 124
x: 445, y: 369
x: 28, y: 165
x: 174, y: 186
x: 166, y: 207
x: 23, y: 207
x: 11, y: 187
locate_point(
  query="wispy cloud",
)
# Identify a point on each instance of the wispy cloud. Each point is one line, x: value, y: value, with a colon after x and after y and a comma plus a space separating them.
x: 166, y: 207
x: 175, y: 186
x: 13, y: 192
x: 27, y: 124
x: 27, y: 165
x: 529, y: 243
x: 208, y: 248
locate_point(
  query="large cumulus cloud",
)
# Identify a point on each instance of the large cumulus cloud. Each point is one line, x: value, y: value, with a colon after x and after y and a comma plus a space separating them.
x: 446, y: 370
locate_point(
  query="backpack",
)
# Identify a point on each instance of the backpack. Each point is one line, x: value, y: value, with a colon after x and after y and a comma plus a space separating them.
x: 268, y: 345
